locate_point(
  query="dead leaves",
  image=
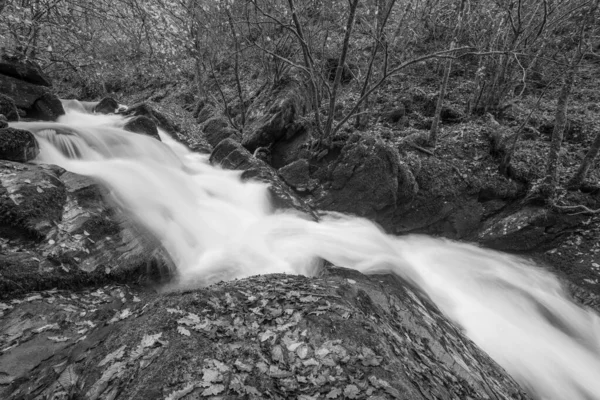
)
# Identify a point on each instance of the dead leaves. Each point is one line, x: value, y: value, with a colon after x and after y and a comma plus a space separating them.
x: 265, y: 320
x: 122, y: 361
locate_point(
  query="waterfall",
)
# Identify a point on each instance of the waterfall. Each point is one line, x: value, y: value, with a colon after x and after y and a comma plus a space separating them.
x: 217, y: 227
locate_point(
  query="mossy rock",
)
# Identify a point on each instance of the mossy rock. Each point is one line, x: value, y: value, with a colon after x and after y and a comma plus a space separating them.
x: 8, y: 108
x: 17, y: 145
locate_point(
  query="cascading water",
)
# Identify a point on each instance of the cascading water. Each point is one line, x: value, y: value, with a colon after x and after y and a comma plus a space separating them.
x: 217, y: 227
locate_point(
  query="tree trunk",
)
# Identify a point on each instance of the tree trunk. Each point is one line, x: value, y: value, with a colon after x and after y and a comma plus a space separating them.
x: 577, y: 179
x: 548, y: 188
x: 340, y: 68
x: 560, y: 121
x: 433, y: 133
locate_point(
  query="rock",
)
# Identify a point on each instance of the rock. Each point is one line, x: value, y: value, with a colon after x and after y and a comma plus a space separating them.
x: 286, y: 151
x: 36, y: 101
x: 274, y: 114
x: 8, y: 108
x: 205, y: 114
x: 22, y: 93
x: 107, y: 105
x: 383, y: 339
x: 217, y: 129
x: 530, y: 228
x: 161, y: 120
x: 197, y: 144
x: 142, y: 125
x: 364, y: 176
x: 32, y: 198
x: 47, y: 108
x: 3, y: 122
x: 230, y: 154
x: 27, y: 71
x: 57, y: 230
x: 17, y: 145
x: 297, y: 175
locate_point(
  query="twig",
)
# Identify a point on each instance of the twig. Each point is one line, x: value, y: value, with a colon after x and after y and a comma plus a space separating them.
x: 580, y: 208
x: 417, y: 147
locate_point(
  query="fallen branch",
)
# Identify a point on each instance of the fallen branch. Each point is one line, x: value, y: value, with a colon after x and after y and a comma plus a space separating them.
x: 417, y: 147
x: 580, y: 208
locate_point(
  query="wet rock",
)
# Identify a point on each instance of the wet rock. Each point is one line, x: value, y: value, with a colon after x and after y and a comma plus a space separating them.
x: 47, y: 108
x: 160, y: 119
x: 59, y: 229
x: 163, y: 122
x: 230, y: 154
x: 107, y: 105
x: 274, y: 114
x: 142, y: 125
x: 8, y: 108
x: 3, y: 122
x: 217, y: 129
x: 36, y: 101
x: 283, y: 335
x: 31, y: 199
x: 361, y: 175
x: 17, y: 145
x: 27, y: 71
x: 23, y: 94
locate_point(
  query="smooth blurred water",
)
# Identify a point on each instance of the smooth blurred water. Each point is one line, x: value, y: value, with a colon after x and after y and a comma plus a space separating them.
x: 217, y: 227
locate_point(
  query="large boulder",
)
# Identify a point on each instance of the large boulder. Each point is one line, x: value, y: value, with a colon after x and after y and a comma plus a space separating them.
x: 8, y: 108
x: 341, y: 336
x: 142, y: 125
x: 3, y: 122
x: 47, y: 108
x: 59, y: 229
x: 37, y: 101
x: 274, y: 115
x: 24, y: 94
x: 362, y: 175
x: 17, y: 145
x: 230, y: 154
x: 27, y: 71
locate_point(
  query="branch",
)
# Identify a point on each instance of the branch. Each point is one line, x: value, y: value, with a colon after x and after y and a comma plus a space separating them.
x: 391, y: 73
x: 580, y: 208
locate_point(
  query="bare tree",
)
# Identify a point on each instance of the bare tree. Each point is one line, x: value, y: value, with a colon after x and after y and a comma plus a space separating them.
x: 550, y: 182
x: 433, y: 132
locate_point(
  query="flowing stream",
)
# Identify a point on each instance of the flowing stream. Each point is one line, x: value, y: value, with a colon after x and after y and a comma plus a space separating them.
x: 217, y: 227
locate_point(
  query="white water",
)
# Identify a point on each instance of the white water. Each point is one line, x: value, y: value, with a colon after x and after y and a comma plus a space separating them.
x: 217, y: 227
